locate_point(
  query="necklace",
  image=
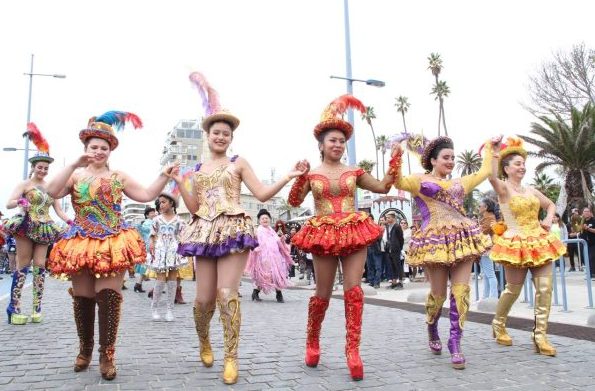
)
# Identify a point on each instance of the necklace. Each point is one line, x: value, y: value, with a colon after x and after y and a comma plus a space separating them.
x: 438, y: 177
x: 518, y: 188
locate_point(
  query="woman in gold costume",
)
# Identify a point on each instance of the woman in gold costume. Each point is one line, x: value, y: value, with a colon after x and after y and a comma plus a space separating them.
x: 525, y: 245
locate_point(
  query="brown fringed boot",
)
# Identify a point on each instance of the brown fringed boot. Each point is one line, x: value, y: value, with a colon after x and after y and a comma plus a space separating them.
x: 109, y: 303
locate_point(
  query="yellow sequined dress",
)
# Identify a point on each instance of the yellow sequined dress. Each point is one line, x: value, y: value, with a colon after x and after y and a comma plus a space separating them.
x: 446, y: 235
x: 99, y: 241
x: 525, y: 243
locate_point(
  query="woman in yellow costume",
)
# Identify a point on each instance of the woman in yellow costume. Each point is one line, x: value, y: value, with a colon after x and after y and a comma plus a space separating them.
x: 525, y: 245
x: 33, y: 229
x: 99, y: 246
x: 448, y: 242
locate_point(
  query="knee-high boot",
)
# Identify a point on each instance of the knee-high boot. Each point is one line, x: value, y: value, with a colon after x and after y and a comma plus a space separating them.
x: 354, y: 310
x: 459, y: 306
x: 109, y: 303
x: 543, y: 301
x: 433, y: 313
x: 231, y: 318
x: 38, y: 286
x: 16, y: 290
x: 84, y: 318
x: 316, y: 310
x: 507, y: 299
x: 202, y: 321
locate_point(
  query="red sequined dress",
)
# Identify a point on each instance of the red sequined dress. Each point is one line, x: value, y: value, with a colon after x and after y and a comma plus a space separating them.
x: 337, y: 229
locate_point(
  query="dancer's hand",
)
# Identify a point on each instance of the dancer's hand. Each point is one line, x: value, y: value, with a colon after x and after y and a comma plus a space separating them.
x: 171, y: 169
x: 302, y: 167
x: 396, y: 149
x: 84, y: 160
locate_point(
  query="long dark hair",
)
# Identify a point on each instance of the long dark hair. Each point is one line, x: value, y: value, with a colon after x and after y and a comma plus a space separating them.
x: 492, y: 207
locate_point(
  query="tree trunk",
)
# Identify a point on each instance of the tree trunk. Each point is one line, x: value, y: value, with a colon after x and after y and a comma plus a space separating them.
x: 443, y: 117
x: 439, y: 115
x: 375, y: 148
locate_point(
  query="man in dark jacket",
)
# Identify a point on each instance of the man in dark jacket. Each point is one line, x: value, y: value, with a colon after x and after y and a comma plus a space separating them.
x: 394, y: 239
x: 375, y: 260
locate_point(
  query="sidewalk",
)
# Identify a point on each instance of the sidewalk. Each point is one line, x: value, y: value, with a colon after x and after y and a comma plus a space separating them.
x: 164, y: 356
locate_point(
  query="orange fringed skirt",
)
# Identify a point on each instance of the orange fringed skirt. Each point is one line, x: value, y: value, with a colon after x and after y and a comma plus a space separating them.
x: 338, y: 235
x: 101, y: 257
x: 526, y: 250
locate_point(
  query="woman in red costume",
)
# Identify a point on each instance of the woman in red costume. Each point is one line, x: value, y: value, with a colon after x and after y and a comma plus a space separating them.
x: 338, y: 231
x: 99, y: 246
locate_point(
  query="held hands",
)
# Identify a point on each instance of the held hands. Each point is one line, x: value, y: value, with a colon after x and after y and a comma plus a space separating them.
x: 496, y: 141
x: 396, y: 149
x: 302, y: 167
x: 171, y: 170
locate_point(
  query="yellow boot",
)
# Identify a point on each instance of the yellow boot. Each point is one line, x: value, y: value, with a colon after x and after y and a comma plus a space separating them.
x: 231, y: 318
x: 507, y: 299
x: 543, y: 301
x: 202, y: 321
x: 433, y: 313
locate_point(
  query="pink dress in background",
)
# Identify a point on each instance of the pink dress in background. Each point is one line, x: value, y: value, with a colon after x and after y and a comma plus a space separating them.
x: 268, y: 263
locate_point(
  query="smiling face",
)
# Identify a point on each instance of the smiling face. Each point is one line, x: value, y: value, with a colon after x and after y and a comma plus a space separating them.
x: 100, y: 150
x: 264, y: 220
x: 444, y: 163
x: 219, y: 137
x: 333, y: 145
x: 40, y: 170
x: 514, y: 167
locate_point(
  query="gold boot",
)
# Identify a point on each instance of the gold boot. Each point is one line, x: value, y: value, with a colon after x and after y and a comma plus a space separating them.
x: 507, y: 299
x: 202, y: 321
x: 433, y: 312
x: 543, y: 301
x: 231, y: 318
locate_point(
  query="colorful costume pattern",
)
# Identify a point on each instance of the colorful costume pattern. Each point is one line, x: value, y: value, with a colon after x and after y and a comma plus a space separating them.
x: 99, y: 240
x: 167, y: 235
x: 220, y: 226
x: 446, y: 235
x: 36, y: 224
x: 268, y: 264
x: 337, y: 229
x: 525, y: 243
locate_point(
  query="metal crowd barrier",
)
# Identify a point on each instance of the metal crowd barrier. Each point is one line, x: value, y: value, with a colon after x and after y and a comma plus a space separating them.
x: 528, y: 285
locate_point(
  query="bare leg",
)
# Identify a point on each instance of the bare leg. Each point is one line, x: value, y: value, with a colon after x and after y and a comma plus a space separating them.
x: 24, y: 252
x: 325, y: 269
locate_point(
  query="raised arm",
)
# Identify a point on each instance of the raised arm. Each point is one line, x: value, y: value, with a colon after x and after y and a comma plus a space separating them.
x: 141, y: 194
x: 409, y: 183
x: 263, y: 192
x: 62, y: 183
x: 488, y: 165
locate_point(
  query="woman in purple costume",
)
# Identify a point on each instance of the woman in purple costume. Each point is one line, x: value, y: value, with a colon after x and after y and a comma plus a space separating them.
x: 448, y: 242
x: 221, y: 234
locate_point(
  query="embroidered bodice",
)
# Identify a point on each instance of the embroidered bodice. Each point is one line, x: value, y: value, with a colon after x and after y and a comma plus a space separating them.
x: 40, y: 203
x: 218, y: 192
x: 521, y: 215
x: 329, y: 196
x: 97, y: 206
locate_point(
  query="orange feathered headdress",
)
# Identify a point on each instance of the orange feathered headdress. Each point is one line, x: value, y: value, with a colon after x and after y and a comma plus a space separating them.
x: 513, y: 145
x: 332, y: 117
x: 43, y: 148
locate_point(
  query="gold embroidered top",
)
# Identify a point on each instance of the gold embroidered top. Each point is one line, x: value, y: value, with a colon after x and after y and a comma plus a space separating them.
x: 521, y: 215
x: 218, y: 192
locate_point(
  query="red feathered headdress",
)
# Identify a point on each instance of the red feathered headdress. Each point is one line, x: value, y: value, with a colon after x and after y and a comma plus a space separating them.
x: 43, y: 148
x: 332, y: 117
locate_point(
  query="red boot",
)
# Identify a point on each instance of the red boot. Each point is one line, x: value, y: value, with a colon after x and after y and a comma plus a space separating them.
x: 316, y: 310
x: 354, y: 309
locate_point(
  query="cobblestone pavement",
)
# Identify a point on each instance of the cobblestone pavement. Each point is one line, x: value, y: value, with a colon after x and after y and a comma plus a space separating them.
x: 160, y: 355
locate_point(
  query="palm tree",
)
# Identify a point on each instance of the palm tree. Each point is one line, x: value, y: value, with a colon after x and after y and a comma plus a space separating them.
x: 402, y: 105
x: 381, y: 142
x: 285, y: 207
x: 368, y: 116
x: 546, y: 185
x: 366, y: 165
x: 440, y: 88
x: 571, y: 146
x: 468, y: 162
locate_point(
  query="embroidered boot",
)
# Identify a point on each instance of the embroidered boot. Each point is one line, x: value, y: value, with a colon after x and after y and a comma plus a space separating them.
x: 84, y: 318
x: 354, y: 309
x: 231, y: 318
x: 316, y: 310
x: 38, y: 286
x: 459, y: 305
x: 109, y: 303
x: 433, y: 313
x: 203, y: 314
x: 16, y: 290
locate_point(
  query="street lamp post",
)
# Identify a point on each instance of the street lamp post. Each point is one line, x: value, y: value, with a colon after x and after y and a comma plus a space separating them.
x: 31, y: 74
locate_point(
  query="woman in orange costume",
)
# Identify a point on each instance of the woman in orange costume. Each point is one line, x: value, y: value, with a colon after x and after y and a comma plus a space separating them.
x: 448, y: 242
x: 338, y: 231
x: 100, y: 246
x: 524, y: 245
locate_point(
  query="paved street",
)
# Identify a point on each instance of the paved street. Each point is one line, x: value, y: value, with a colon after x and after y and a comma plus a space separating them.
x: 160, y: 355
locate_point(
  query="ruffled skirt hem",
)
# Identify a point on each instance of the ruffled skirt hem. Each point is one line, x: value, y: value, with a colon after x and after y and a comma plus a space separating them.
x: 527, y: 251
